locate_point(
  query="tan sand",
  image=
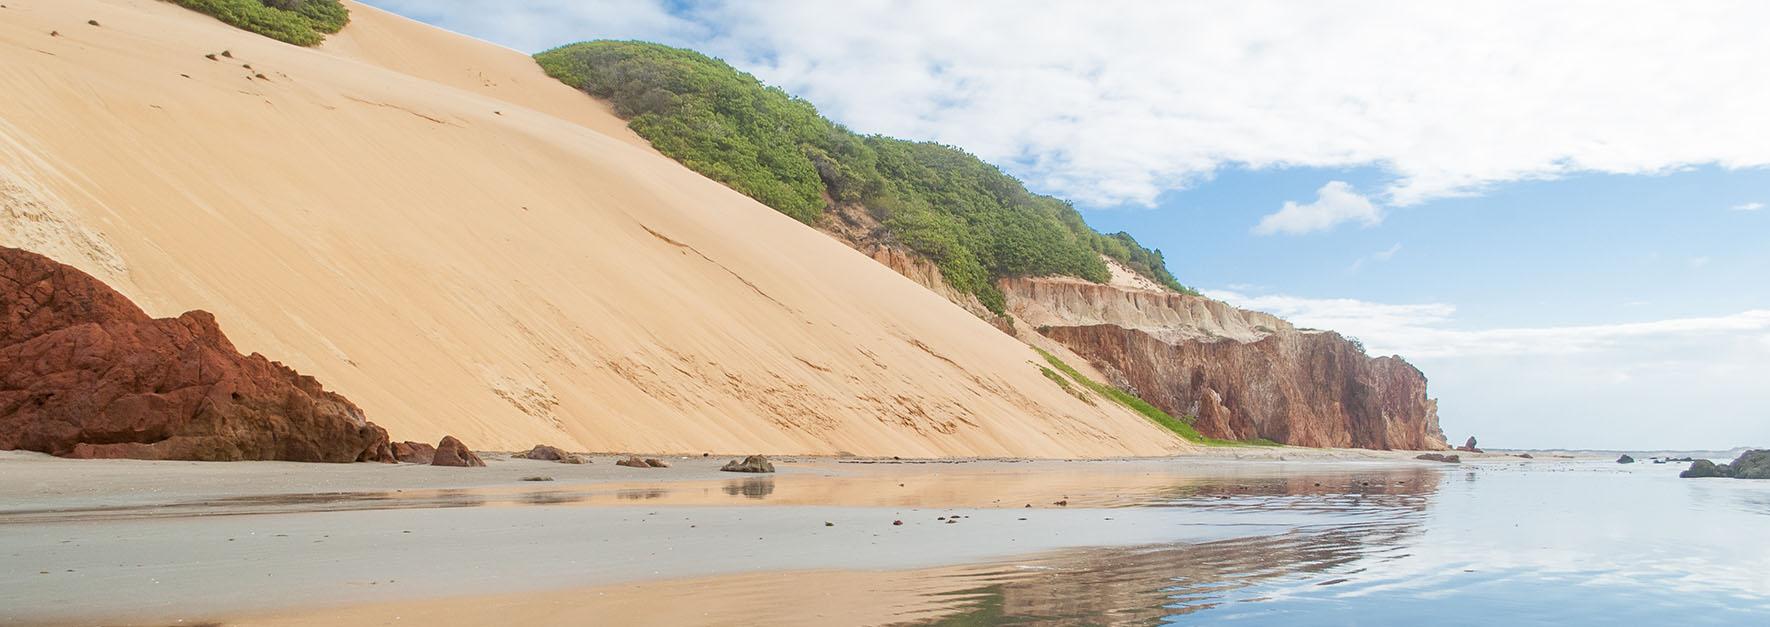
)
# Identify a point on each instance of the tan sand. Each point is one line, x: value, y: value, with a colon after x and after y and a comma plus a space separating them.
x: 155, y: 543
x: 432, y: 227
x: 812, y: 598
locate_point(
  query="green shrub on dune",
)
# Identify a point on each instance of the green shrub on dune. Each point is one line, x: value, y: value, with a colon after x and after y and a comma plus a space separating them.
x: 300, y: 22
x: 976, y: 222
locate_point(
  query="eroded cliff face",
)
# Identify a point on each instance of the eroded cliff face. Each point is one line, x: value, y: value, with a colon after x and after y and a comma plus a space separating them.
x: 1243, y: 374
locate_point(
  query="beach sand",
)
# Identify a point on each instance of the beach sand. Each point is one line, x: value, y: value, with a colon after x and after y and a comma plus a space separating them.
x: 134, y: 542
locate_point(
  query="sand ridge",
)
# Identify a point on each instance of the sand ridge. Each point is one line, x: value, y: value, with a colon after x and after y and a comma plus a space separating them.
x: 433, y: 228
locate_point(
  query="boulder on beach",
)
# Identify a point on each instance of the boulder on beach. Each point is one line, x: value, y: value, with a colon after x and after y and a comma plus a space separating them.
x: 451, y: 452
x: 543, y: 452
x: 1703, y: 468
x: 1752, y: 465
x: 413, y: 452
x: 633, y: 461
x: 85, y: 373
x: 1440, y: 457
x: 753, y: 463
x: 1469, y: 446
x: 656, y: 463
x: 1625, y: 459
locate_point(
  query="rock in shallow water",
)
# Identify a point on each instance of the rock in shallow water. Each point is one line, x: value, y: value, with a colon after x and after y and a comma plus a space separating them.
x: 1703, y: 468
x: 1749, y: 465
x: 85, y: 373
x: 1625, y: 459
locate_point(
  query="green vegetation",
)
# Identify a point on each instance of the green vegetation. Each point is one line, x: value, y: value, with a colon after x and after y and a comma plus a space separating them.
x: 300, y: 22
x: 976, y: 222
x: 1181, y: 427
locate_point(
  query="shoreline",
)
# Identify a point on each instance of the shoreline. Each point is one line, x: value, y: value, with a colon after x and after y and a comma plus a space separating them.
x: 157, y: 542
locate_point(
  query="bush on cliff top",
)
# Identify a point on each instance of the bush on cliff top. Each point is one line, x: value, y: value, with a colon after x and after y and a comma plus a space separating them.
x: 976, y: 222
x: 300, y: 22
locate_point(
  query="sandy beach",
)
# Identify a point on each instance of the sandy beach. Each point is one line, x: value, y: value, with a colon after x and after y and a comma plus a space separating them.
x: 185, y: 541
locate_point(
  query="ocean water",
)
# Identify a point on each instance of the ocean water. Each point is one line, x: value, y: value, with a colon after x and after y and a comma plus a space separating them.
x: 1574, y: 543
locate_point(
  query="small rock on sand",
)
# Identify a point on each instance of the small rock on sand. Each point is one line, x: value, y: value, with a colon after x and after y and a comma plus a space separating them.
x: 1625, y: 459
x: 753, y: 463
x: 1439, y: 457
x: 633, y: 461
x: 451, y: 452
x: 656, y: 463
x: 547, y: 453
x: 413, y: 452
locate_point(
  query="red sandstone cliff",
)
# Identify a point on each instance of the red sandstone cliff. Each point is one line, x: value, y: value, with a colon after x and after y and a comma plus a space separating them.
x: 1243, y: 374
x: 86, y: 373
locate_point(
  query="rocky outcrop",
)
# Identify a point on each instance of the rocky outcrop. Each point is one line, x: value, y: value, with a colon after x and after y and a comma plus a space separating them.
x: 1241, y: 374
x: 1469, y: 446
x: 86, y: 373
x: 633, y: 461
x: 753, y: 463
x: 451, y: 452
x: 413, y: 452
x: 1749, y: 465
x: 1440, y: 457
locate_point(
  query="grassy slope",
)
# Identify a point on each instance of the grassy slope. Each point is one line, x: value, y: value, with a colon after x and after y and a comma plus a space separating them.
x: 299, y: 22
x: 976, y: 222
x: 1181, y: 427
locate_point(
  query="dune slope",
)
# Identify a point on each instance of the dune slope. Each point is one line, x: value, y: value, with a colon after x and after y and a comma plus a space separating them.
x: 459, y: 244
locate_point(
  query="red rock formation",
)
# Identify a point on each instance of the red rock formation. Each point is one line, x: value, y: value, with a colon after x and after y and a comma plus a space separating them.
x: 1241, y: 374
x: 414, y: 452
x: 85, y: 373
x: 451, y: 452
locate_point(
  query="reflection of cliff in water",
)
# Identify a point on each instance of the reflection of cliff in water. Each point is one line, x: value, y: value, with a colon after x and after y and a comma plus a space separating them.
x: 1150, y: 584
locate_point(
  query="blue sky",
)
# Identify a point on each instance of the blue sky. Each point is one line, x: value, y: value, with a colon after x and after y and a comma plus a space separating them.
x: 1557, y: 211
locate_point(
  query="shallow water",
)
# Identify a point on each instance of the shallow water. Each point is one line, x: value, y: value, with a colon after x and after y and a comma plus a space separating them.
x: 1136, y: 543
x: 1561, y: 544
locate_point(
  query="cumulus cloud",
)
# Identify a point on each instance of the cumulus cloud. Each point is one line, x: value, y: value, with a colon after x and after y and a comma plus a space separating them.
x: 1116, y: 102
x: 1335, y: 203
x: 1748, y: 206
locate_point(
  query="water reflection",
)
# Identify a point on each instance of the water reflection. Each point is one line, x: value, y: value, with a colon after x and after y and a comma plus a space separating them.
x: 641, y: 494
x: 1537, y: 546
x: 755, y: 488
x: 1151, y: 584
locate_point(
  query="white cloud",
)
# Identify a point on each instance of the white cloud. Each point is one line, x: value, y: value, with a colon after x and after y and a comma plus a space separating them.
x: 1612, y: 385
x: 1335, y: 203
x: 1426, y: 330
x: 1116, y: 102
x: 1381, y: 256
x: 1749, y: 206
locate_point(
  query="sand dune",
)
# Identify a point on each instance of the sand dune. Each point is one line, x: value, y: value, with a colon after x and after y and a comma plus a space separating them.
x: 435, y: 229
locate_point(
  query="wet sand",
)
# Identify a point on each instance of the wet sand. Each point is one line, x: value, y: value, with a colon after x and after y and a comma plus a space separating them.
x: 129, y: 542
